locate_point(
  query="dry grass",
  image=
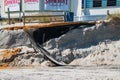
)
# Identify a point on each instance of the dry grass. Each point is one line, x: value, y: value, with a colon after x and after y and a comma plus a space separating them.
x: 116, y: 14
x: 114, y: 18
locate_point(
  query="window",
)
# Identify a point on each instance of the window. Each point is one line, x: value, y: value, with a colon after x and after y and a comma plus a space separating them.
x: 97, y: 3
x: 111, y: 2
x: 82, y: 3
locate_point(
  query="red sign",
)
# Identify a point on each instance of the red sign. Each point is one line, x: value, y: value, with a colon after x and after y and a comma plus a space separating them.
x: 10, y: 2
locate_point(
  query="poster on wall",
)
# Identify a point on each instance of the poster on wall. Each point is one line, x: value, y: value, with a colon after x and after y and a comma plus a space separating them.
x: 13, y: 5
x: 31, y: 5
x: 57, y: 5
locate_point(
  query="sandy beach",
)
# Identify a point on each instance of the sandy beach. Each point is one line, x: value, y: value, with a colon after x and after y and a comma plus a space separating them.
x: 62, y: 73
x: 95, y: 50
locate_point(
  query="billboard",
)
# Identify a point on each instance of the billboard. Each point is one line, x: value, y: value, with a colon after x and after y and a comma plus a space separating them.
x: 57, y: 5
x: 13, y: 5
x: 31, y: 5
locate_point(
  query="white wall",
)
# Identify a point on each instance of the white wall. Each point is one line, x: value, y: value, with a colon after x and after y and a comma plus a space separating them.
x: 76, y: 8
x: 102, y: 11
x: 99, y: 13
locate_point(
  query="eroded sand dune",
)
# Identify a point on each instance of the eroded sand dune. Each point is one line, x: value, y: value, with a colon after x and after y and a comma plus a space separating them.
x: 93, y: 46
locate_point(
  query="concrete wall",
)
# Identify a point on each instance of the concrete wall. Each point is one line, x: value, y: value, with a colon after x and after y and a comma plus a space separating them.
x: 76, y: 8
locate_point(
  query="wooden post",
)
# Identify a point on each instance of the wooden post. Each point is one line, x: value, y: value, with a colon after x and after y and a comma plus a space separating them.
x: 23, y: 18
x: 108, y: 13
x: 8, y: 16
x: 20, y: 10
x: 65, y: 16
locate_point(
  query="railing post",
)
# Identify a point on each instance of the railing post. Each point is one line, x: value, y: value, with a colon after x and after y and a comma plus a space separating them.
x: 108, y: 13
x: 20, y: 10
x: 23, y: 18
x: 64, y: 16
x: 8, y: 16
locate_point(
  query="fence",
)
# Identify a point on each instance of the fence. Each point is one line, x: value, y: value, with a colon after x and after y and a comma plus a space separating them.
x: 46, y: 18
x: 43, y: 18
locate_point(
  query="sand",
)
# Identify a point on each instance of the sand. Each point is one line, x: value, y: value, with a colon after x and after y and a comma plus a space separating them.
x: 62, y: 73
x: 91, y: 46
x: 95, y: 52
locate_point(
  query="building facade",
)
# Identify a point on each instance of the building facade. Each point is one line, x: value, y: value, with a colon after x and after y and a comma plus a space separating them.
x: 98, y: 9
x: 83, y: 9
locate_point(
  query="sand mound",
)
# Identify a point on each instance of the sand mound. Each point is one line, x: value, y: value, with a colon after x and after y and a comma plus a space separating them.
x: 21, y: 56
x: 15, y: 38
x: 95, y: 45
